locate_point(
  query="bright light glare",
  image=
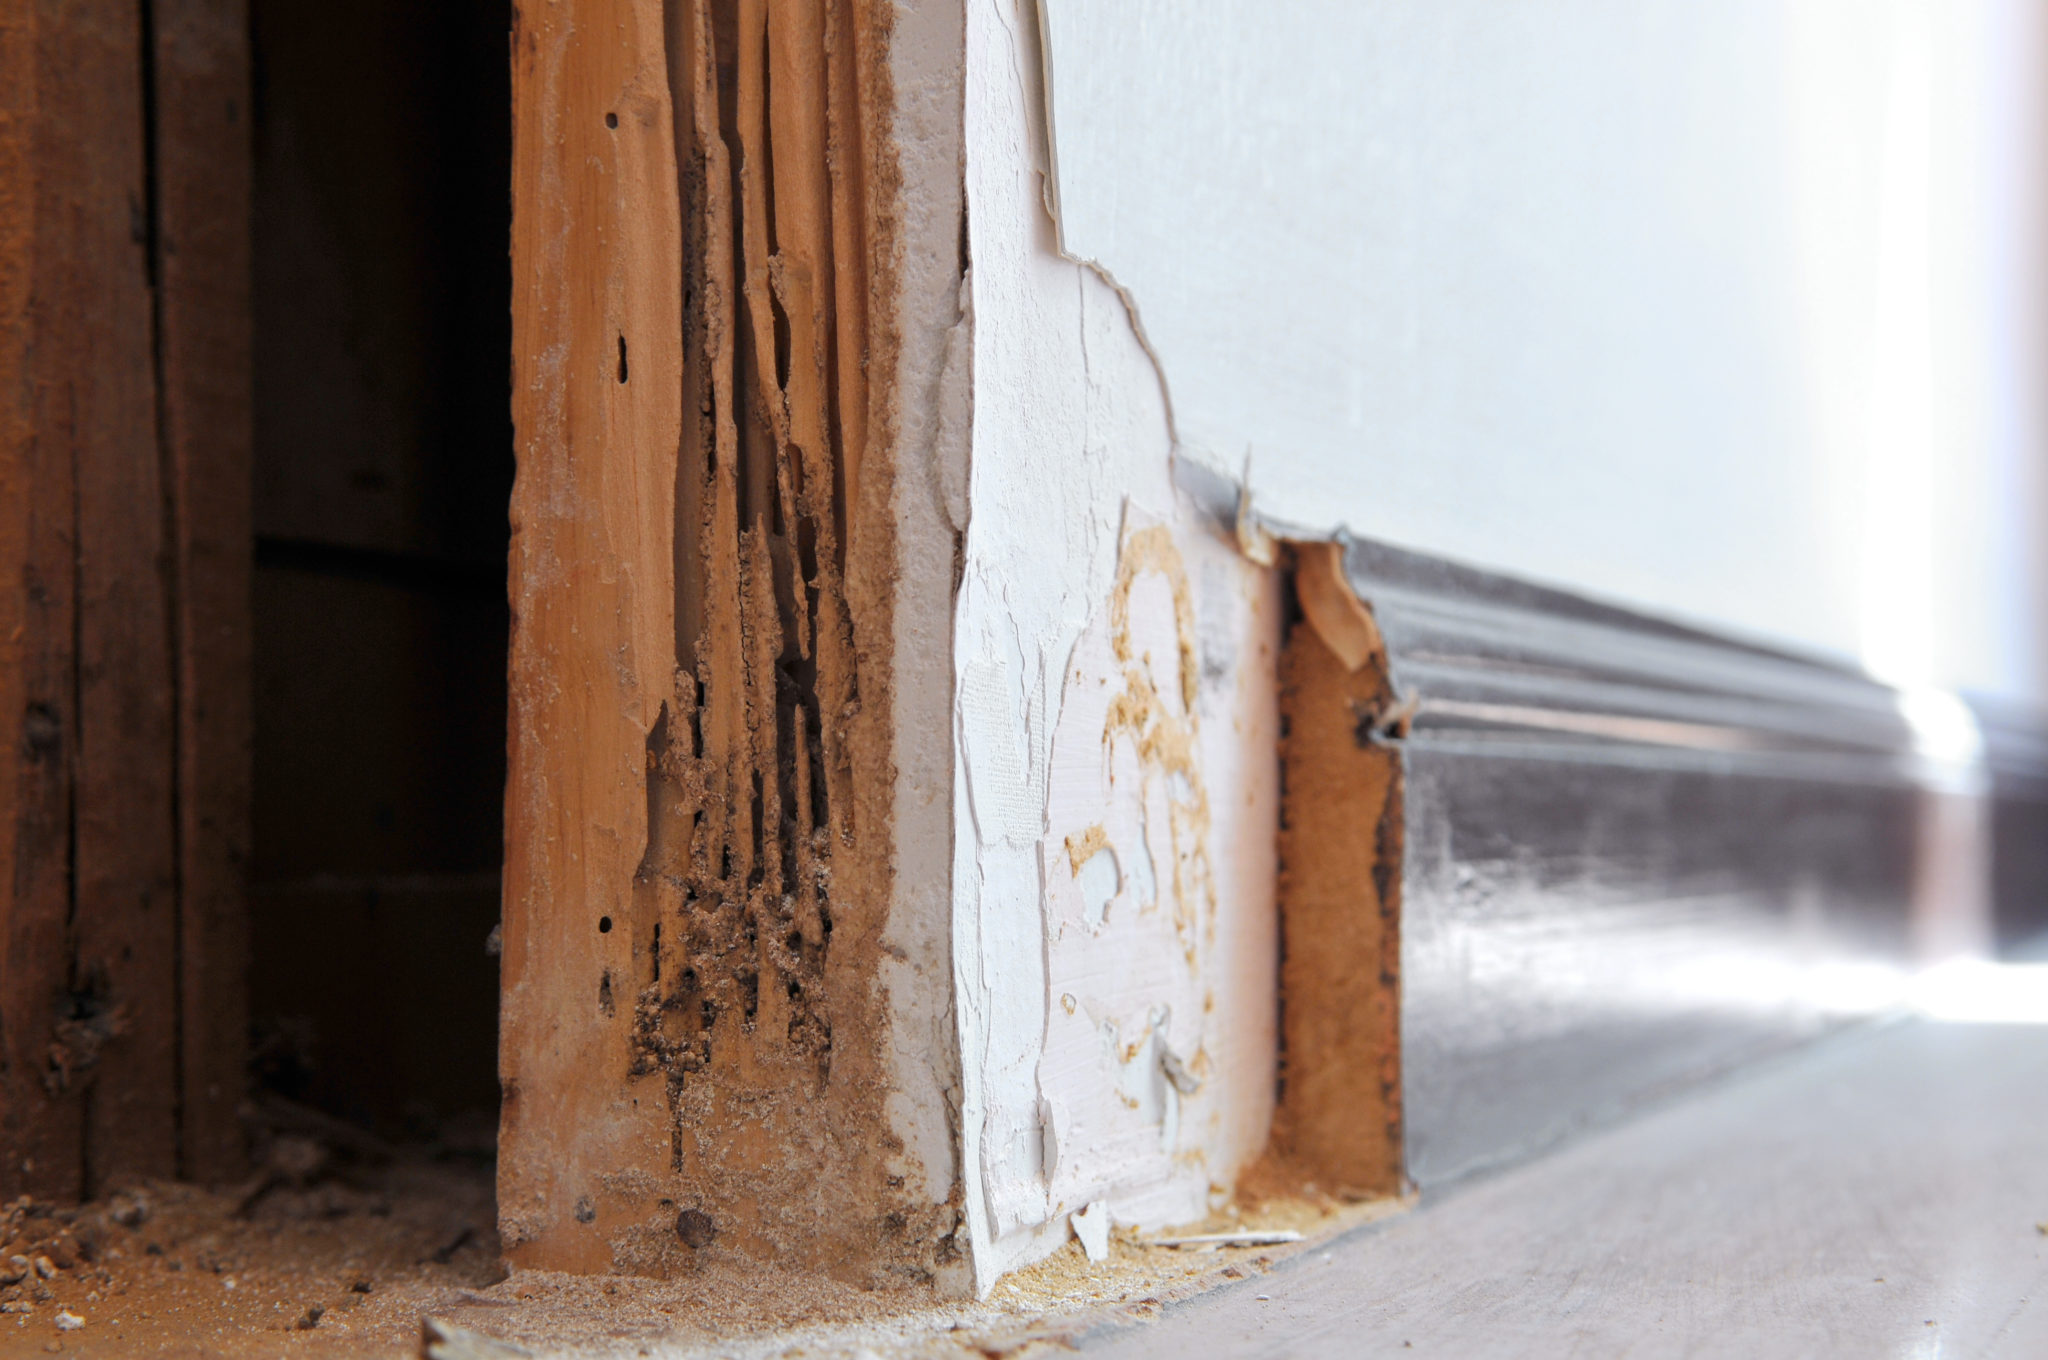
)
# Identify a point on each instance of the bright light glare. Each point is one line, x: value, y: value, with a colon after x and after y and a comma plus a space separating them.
x: 1963, y: 990
x: 1979, y: 992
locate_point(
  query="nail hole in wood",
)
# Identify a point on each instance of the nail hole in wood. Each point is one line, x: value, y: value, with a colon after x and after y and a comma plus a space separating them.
x: 696, y: 1228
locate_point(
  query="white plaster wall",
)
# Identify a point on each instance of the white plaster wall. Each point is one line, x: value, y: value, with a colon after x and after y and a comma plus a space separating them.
x: 1117, y: 999
x: 1726, y: 310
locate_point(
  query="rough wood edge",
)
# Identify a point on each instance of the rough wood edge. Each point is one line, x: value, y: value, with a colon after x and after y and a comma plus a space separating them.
x: 662, y: 623
x: 1338, y: 1126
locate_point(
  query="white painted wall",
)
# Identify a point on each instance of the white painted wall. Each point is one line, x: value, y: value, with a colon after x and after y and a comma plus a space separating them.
x: 1727, y: 310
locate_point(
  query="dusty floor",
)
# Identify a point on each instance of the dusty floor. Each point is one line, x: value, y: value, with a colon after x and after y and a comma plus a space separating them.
x: 339, y: 1263
x: 342, y: 1252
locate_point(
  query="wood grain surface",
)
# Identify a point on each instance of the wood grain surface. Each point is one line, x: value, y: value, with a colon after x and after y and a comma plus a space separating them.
x: 123, y: 376
x: 1338, y: 1125
x: 202, y: 121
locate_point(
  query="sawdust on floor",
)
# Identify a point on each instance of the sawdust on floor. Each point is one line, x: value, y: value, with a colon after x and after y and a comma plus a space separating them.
x: 328, y: 1269
x: 347, y: 1267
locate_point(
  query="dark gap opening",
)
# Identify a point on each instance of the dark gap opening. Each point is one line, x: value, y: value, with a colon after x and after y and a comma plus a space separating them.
x: 776, y: 310
x: 383, y: 471
x: 789, y: 712
x: 697, y: 449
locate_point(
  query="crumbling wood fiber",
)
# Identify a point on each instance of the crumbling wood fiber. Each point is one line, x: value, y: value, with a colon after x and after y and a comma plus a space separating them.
x: 698, y: 812
x: 1338, y: 1125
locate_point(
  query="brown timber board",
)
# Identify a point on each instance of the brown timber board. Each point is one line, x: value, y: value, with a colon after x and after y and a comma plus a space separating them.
x: 89, y: 535
x: 41, y: 1129
x: 1338, y: 1125
x: 698, y: 803
x: 203, y: 322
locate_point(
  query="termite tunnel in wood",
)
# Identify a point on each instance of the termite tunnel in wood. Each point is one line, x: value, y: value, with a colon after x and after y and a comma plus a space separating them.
x: 748, y: 762
x: 1338, y: 1122
x: 698, y: 865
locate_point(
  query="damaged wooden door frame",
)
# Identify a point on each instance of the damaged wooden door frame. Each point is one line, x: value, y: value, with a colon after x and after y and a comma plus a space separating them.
x: 726, y: 974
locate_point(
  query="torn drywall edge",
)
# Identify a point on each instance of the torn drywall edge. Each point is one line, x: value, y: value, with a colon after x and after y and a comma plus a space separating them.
x: 953, y: 439
x: 1040, y: 101
x: 1197, y: 471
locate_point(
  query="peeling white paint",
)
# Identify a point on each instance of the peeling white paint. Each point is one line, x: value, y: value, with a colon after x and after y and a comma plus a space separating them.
x: 1091, y: 1227
x: 1115, y: 996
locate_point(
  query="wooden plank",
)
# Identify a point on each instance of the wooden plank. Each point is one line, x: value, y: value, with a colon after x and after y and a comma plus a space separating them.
x: 597, y: 382
x: 92, y: 1000
x: 102, y: 660
x: 40, y: 1128
x: 203, y: 336
x: 120, y: 1029
x: 698, y: 873
x: 1338, y: 1125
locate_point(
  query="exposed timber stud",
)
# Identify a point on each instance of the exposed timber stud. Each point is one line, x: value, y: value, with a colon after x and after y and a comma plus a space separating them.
x: 124, y: 559
x: 695, y: 1045
x: 1338, y: 1125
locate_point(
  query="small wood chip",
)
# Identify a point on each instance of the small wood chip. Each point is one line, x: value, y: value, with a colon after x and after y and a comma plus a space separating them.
x: 443, y: 1340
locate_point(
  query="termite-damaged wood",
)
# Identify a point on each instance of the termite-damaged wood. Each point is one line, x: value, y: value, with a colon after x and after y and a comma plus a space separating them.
x: 698, y: 822
x: 1338, y: 1125
x: 114, y: 410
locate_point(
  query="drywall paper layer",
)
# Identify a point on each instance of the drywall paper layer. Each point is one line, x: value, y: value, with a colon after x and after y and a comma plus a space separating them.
x: 1115, y: 796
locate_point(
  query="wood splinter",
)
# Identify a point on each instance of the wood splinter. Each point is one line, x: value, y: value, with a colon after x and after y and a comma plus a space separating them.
x: 1331, y: 606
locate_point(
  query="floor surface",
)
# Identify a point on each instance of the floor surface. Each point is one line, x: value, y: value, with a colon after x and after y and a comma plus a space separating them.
x: 1882, y: 1193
